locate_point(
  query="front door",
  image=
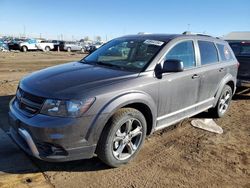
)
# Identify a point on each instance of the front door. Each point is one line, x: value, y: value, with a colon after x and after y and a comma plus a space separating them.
x: 179, y: 91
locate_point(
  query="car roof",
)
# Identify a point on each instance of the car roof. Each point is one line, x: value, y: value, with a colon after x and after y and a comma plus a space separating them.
x: 168, y: 37
x: 161, y: 37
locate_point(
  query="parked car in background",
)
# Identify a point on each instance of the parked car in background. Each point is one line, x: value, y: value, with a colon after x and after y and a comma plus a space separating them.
x: 94, y: 46
x: 29, y: 44
x: 56, y: 44
x: 3, y: 46
x: 132, y: 86
x: 14, y: 44
x: 45, y: 46
x: 242, y: 52
x: 71, y: 46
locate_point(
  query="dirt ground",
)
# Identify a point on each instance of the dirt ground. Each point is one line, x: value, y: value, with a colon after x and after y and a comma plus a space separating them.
x: 181, y: 156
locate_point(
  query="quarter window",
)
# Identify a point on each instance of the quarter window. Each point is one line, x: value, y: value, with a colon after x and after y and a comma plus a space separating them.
x: 208, y: 52
x: 183, y: 51
x: 225, y: 53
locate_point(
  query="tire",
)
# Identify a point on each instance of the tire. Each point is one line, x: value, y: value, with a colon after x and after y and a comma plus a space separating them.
x: 122, y: 137
x: 68, y: 49
x: 47, y: 49
x: 223, y: 102
x: 24, y: 49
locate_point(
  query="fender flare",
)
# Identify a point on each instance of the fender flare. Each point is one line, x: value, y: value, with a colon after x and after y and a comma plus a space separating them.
x: 225, y: 80
x: 109, y: 108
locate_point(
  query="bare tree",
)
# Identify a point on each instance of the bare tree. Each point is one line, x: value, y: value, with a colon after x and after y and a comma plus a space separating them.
x: 86, y: 38
x: 98, y: 38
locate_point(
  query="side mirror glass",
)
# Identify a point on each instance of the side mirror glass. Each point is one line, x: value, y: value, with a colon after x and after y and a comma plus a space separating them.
x: 172, y: 65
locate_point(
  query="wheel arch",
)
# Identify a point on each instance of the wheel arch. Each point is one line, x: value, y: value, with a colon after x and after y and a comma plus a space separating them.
x: 140, y: 101
x: 227, y: 80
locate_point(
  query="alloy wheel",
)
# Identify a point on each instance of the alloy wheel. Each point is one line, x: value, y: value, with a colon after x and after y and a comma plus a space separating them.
x: 224, y: 102
x: 127, y: 139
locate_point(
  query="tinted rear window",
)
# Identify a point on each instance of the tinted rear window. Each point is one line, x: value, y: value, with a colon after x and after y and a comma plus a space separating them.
x: 241, y: 48
x: 208, y: 52
x: 225, y: 53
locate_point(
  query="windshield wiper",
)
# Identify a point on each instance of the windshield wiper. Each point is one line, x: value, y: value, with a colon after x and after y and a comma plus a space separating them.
x: 102, y: 63
x: 109, y: 65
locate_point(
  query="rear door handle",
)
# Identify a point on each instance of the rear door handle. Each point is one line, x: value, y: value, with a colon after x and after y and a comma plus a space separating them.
x: 195, y: 76
x: 221, y: 69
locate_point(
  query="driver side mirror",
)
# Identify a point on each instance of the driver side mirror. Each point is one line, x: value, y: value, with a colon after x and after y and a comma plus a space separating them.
x: 170, y: 65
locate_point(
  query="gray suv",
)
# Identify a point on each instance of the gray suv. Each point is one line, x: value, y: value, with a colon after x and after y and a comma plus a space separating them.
x: 70, y: 46
x: 108, y: 102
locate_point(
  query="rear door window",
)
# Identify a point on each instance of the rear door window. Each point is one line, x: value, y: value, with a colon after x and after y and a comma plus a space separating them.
x: 184, y: 52
x: 208, y: 52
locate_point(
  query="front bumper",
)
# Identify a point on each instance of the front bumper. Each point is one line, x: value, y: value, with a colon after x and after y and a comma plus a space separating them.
x: 52, y: 138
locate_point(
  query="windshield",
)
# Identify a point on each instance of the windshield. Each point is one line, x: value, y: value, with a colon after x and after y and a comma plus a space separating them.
x: 126, y: 54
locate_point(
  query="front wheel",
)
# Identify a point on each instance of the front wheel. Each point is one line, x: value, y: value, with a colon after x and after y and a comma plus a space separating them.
x: 122, y: 138
x: 223, y: 103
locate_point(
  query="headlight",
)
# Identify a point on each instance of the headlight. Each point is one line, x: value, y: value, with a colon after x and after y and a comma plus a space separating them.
x: 66, y: 108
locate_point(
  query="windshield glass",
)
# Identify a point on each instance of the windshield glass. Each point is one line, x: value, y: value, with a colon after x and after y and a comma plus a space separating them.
x: 126, y: 54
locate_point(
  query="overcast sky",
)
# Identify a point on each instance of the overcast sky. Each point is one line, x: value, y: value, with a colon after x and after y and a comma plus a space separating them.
x: 113, y: 18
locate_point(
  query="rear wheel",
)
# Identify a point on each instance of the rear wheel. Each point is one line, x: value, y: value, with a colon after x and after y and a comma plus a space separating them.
x: 122, y: 138
x: 24, y: 49
x: 223, y: 103
x: 47, y: 49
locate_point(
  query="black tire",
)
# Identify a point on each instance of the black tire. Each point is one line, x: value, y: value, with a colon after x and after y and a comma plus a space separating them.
x: 24, y: 49
x: 47, y: 49
x: 109, y: 150
x: 68, y: 49
x: 223, y: 102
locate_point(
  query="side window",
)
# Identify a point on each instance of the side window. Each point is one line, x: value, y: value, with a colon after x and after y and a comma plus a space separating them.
x: 225, y: 53
x: 183, y: 51
x: 208, y: 52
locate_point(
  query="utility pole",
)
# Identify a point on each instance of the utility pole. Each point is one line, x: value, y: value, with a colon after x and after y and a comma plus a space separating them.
x: 24, y: 31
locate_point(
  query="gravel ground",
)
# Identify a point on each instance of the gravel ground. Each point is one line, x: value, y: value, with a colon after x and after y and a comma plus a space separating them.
x: 181, y: 156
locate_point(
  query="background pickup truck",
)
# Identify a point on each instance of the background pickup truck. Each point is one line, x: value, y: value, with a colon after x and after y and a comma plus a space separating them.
x: 242, y: 53
x: 45, y: 46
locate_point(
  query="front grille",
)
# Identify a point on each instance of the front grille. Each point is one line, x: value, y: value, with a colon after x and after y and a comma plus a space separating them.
x: 28, y: 103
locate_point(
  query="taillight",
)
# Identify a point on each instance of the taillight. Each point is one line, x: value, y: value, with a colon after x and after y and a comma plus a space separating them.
x: 238, y: 64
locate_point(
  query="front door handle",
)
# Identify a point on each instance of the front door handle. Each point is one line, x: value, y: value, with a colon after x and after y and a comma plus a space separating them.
x: 195, y: 76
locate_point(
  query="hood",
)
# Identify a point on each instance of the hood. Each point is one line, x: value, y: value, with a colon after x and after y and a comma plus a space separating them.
x: 71, y: 80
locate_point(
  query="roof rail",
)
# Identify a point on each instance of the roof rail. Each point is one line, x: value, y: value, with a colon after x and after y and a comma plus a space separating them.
x: 187, y: 33
x: 198, y: 34
x: 204, y: 35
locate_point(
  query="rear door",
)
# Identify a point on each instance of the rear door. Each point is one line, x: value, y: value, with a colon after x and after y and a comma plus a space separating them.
x: 210, y: 69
